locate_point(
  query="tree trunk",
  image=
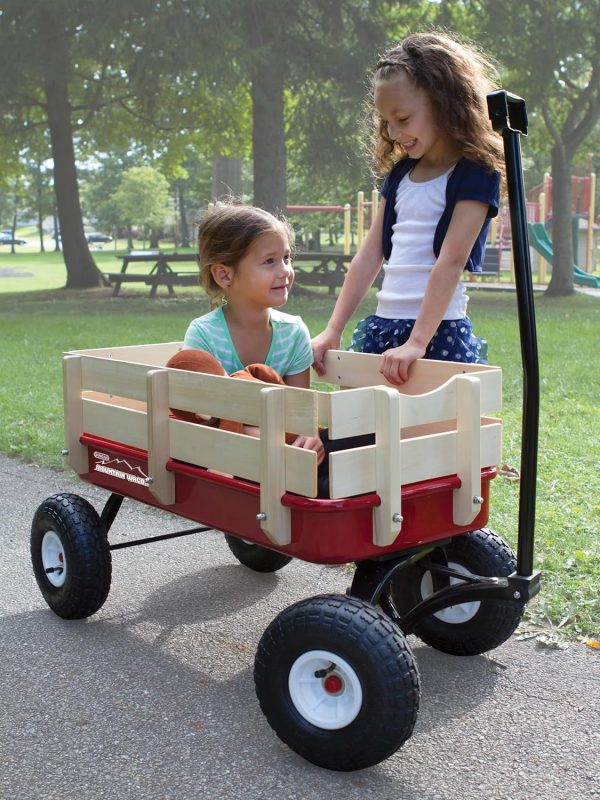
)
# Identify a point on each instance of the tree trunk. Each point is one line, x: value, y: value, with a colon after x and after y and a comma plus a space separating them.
x: 56, y: 229
x: 154, y: 239
x: 40, y: 210
x: 14, y: 229
x: 226, y: 178
x: 82, y: 272
x: 268, y: 138
x: 183, y: 222
x: 561, y: 283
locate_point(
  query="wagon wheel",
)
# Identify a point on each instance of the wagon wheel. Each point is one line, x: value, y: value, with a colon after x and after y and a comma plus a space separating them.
x: 255, y: 557
x: 337, y: 682
x: 71, y: 556
x: 470, y: 628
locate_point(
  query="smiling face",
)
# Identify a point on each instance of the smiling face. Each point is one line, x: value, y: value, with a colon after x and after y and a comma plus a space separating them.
x: 411, y: 119
x: 264, y: 276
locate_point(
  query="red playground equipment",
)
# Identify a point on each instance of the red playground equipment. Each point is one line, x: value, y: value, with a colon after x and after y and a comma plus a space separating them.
x: 335, y: 675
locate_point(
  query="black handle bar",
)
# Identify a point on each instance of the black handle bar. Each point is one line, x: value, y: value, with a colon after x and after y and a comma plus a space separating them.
x: 509, y: 117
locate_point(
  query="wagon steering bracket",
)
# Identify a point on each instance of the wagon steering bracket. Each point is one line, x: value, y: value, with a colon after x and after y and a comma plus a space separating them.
x: 372, y: 579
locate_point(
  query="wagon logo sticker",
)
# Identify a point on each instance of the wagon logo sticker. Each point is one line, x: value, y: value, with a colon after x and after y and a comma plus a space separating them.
x: 119, y: 468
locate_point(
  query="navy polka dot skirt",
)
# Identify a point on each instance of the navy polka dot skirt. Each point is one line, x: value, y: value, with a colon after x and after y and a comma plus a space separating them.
x: 453, y: 340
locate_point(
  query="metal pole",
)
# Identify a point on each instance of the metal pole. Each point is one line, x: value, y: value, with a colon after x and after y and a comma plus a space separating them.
x: 508, y: 115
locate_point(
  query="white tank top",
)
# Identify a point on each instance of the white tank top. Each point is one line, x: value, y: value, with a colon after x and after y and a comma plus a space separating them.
x: 418, y: 208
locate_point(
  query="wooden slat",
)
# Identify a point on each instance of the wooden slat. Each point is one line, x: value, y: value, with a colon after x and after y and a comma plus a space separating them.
x: 162, y: 483
x: 276, y: 518
x: 352, y: 472
x: 239, y: 400
x: 386, y: 522
x: 468, y: 450
x: 121, y: 378
x: 351, y: 412
x: 425, y: 375
x: 77, y: 456
x: 124, y: 425
x: 154, y: 355
x: 207, y: 394
x: 239, y: 455
x: 232, y: 453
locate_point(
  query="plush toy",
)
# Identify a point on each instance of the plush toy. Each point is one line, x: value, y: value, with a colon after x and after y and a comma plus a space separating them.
x: 201, y: 361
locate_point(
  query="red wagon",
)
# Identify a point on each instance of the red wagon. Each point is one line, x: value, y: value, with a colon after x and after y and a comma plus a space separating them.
x: 335, y: 675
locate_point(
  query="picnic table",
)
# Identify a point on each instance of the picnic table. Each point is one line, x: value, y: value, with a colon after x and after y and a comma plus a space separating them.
x: 324, y: 269
x: 161, y: 273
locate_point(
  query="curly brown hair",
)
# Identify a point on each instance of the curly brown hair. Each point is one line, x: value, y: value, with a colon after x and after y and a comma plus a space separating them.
x: 225, y: 234
x: 457, y: 77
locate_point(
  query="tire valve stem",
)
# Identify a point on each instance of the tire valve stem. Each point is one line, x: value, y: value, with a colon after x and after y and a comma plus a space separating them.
x: 54, y: 569
x: 322, y: 673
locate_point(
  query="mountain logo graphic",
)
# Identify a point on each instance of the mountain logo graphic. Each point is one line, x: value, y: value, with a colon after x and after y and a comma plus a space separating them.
x: 119, y: 468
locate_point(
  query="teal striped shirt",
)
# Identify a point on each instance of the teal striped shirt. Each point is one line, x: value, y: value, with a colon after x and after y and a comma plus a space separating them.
x: 290, y: 351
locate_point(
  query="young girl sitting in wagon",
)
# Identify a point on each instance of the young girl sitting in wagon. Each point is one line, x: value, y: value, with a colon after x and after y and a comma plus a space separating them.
x: 246, y: 269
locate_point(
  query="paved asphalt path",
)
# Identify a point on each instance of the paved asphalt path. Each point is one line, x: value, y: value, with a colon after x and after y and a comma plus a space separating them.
x: 153, y: 698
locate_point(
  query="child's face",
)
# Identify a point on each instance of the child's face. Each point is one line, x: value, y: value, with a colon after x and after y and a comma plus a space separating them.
x: 265, y: 275
x: 411, y: 119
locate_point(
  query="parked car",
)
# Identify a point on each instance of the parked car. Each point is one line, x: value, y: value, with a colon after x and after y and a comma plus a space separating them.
x: 98, y: 237
x: 7, y: 238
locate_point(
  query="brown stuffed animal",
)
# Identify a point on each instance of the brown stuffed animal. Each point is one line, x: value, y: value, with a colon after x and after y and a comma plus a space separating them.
x: 201, y: 361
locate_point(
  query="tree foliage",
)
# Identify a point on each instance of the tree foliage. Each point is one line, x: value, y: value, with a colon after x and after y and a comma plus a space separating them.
x: 142, y: 198
x: 550, y: 52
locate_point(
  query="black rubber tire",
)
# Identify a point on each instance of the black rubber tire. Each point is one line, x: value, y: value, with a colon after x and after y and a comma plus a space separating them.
x: 86, y: 555
x: 482, y: 552
x: 255, y: 557
x: 381, y: 658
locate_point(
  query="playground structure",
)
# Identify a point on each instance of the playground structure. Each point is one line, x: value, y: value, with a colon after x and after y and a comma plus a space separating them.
x: 583, y: 209
x: 365, y: 211
x: 357, y: 219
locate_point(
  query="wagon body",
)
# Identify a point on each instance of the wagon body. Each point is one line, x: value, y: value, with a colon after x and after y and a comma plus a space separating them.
x: 425, y: 478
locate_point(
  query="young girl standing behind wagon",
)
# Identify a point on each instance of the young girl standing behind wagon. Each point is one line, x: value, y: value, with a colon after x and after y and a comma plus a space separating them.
x: 433, y: 137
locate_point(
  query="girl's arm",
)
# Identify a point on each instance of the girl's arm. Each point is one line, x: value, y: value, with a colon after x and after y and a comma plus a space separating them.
x: 466, y: 223
x: 361, y: 273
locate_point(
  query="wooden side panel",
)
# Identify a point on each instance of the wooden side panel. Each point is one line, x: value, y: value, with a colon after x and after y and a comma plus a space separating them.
x: 363, y: 369
x: 162, y: 483
x: 118, y: 378
x: 466, y: 500
x: 207, y: 394
x: 77, y: 455
x: 352, y: 472
x: 124, y: 425
x: 238, y: 454
x: 231, y: 453
x: 386, y: 516
x: 275, y: 518
x: 154, y: 355
x: 352, y: 411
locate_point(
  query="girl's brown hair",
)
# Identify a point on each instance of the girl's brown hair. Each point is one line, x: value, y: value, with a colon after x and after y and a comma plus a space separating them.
x: 225, y: 234
x: 457, y: 78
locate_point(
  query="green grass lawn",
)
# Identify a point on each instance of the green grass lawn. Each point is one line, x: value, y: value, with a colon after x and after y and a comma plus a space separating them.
x: 37, y: 326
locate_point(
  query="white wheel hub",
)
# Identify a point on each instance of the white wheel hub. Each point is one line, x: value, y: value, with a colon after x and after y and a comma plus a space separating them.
x: 325, y: 689
x: 53, y: 559
x: 453, y: 615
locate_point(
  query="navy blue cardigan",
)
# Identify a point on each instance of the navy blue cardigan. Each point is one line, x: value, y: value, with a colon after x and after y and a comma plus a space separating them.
x: 468, y: 181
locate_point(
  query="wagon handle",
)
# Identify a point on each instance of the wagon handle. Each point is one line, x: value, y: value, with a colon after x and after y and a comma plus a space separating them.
x: 509, y: 117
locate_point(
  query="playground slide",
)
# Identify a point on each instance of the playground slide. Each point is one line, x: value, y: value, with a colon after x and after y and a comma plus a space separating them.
x: 540, y: 241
